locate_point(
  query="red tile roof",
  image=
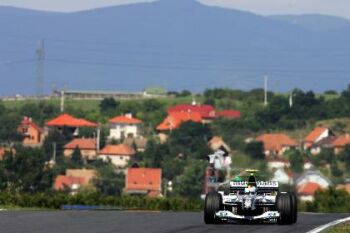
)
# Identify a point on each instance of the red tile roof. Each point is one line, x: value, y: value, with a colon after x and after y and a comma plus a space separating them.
x: 28, y: 122
x: 174, y: 120
x: 82, y: 144
x: 231, y: 114
x: 121, y: 149
x: 309, y: 189
x: 70, y: 121
x: 143, y: 179
x: 62, y: 182
x: 275, y: 142
x: 314, y: 134
x: 125, y: 120
x: 342, y: 141
x: 205, y: 111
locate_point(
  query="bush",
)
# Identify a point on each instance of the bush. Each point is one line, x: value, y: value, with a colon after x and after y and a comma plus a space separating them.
x: 56, y: 200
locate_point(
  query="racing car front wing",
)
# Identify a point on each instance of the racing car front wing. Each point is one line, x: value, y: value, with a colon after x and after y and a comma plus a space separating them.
x: 224, y: 214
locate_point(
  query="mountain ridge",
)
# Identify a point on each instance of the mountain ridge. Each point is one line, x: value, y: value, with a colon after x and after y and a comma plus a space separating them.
x: 165, y: 43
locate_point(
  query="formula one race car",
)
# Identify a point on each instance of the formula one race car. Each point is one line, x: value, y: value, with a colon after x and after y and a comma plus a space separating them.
x: 250, y: 201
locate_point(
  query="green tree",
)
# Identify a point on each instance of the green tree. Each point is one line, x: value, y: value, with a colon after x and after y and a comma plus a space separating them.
x: 296, y: 161
x: 345, y: 155
x: 108, y: 106
x: 8, y: 131
x: 109, y: 182
x: 255, y: 150
x: 190, y: 183
x: 77, y: 160
x: 25, y: 171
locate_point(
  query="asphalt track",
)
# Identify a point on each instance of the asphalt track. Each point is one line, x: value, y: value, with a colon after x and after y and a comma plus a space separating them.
x: 140, y: 222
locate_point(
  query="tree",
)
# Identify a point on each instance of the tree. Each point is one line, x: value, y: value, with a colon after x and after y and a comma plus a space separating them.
x: 108, y: 106
x: 255, y: 150
x: 345, y: 155
x: 109, y: 182
x: 25, y: 171
x: 190, y: 183
x: 76, y: 159
x: 296, y: 161
x: 8, y: 130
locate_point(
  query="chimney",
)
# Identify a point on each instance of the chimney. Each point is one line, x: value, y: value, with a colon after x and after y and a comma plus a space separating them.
x: 128, y: 115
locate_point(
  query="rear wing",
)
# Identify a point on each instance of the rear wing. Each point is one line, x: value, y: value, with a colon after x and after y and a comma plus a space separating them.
x: 262, y: 186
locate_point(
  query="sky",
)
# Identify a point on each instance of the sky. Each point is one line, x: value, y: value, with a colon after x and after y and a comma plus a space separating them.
x: 264, y: 7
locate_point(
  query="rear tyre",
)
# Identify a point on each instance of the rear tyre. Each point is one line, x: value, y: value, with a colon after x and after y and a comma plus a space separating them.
x: 213, y: 203
x: 284, y: 207
x: 294, y: 201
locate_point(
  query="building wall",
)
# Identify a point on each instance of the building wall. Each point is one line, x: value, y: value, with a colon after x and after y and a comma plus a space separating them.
x: 120, y: 161
x: 119, y: 131
x: 86, y: 154
x: 32, y: 136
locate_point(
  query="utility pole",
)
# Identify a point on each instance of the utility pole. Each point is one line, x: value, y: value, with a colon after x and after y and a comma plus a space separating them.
x: 40, y: 53
x: 54, y: 151
x: 266, y: 79
x: 62, y: 100
x: 98, y: 139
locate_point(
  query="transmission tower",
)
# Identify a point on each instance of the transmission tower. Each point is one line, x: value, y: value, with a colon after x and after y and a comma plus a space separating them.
x: 40, y: 54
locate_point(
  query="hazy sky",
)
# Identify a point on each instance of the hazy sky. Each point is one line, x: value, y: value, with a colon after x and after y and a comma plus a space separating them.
x: 265, y: 7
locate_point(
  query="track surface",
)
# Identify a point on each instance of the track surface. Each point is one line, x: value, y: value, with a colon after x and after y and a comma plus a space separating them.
x: 140, y: 222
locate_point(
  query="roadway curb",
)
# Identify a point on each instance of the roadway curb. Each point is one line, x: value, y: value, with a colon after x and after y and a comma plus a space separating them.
x: 328, y: 225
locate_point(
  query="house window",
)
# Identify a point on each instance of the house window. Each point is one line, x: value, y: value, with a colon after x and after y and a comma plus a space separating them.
x: 25, y: 130
x: 121, y: 157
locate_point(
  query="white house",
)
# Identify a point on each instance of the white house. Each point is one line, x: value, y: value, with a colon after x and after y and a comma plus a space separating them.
x: 283, y: 176
x: 309, y: 182
x: 119, y: 155
x: 126, y: 126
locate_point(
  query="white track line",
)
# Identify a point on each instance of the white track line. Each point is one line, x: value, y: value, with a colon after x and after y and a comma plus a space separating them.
x: 321, y: 228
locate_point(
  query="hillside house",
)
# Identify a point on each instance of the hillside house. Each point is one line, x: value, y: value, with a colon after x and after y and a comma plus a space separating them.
x: 319, y: 138
x: 119, y: 155
x: 74, y: 180
x: 4, y: 150
x: 276, y: 143
x: 126, y: 126
x: 206, y: 112
x: 283, y: 176
x: 217, y: 143
x: 174, y: 120
x: 309, y: 182
x: 340, y: 143
x: 32, y: 134
x: 143, y: 181
x: 70, y: 123
x: 87, y: 146
x: 139, y: 142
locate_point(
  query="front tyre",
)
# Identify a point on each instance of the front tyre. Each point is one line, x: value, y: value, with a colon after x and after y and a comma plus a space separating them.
x: 213, y: 203
x: 285, y: 208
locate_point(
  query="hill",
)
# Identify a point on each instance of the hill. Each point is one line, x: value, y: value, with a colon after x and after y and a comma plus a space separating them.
x: 178, y: 44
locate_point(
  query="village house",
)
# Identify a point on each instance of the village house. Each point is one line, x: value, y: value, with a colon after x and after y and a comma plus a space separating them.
x: 217, y: 143
x: 206, y: 112
x: 126, y: 126
x: 70, y: 123
x: 174, y: 120
x: 143, y: 181
x: 119, y: 155
x: 283, y: 176
x: 87, y: 147
x: 309, y: 182
x: 319, y: 138
x: 74, y: 180
x: 4, y: 150
x: 139, y: 142
x: 277, y: 163
x: 276, y: 143
x: 32, y: 134
x: 340, y: 143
